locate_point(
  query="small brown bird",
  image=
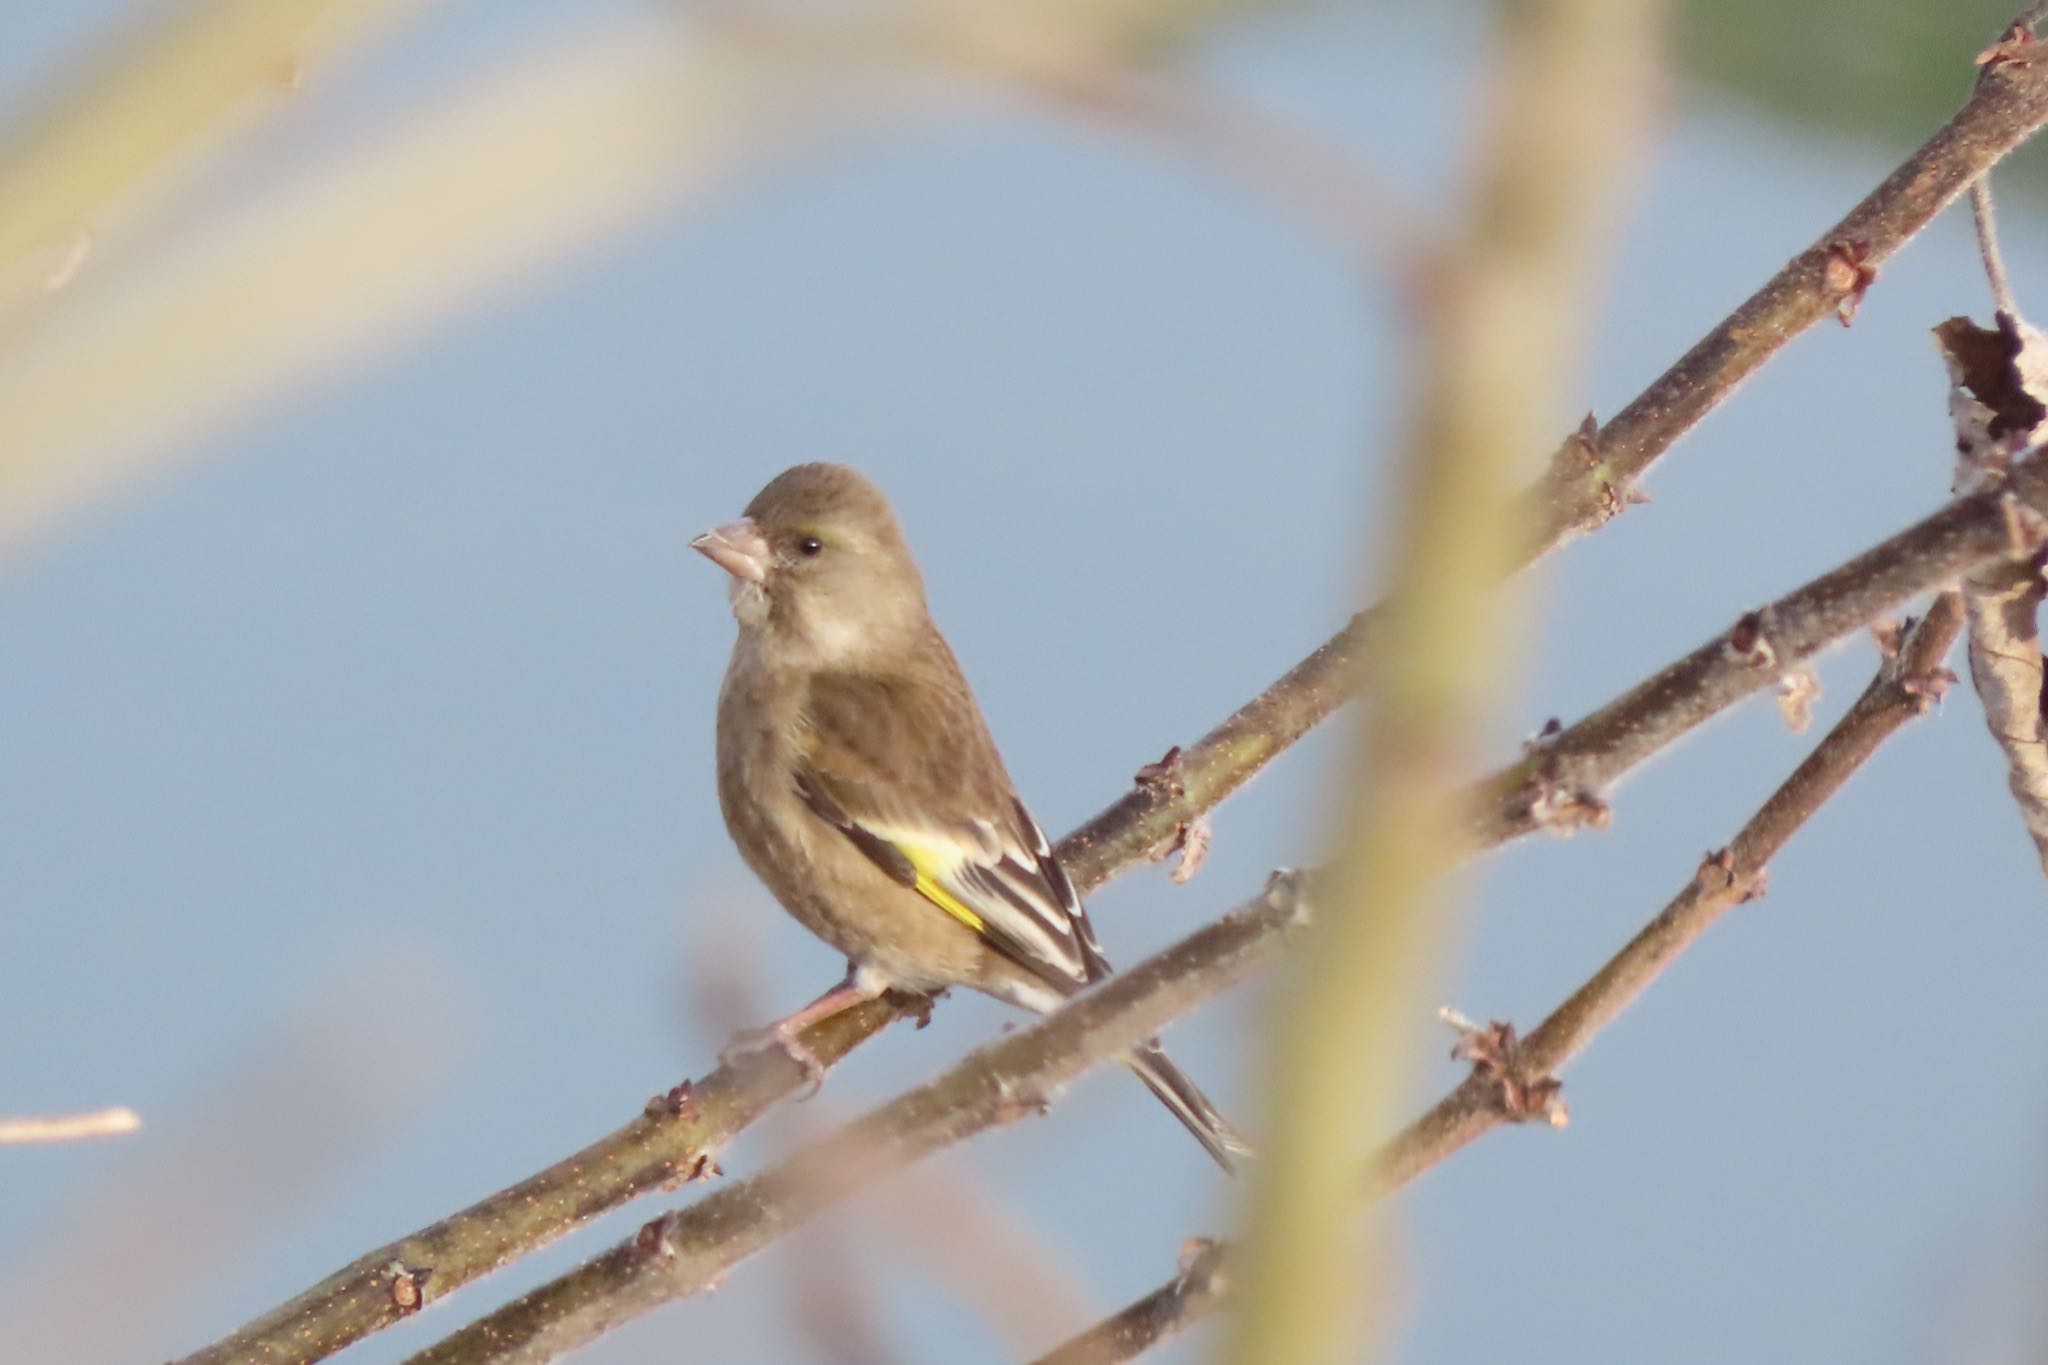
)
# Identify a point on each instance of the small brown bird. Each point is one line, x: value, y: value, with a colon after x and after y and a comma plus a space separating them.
x: 859, y: 780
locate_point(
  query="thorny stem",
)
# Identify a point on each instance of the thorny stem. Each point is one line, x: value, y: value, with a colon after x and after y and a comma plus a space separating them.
x: 2008, y: 106
x: 1904, y: 687
x: 1591, y: 475
x: 1559, y: 783
x: 686, y: 1251
x: 1969, y: 532
x: 675, y: 1139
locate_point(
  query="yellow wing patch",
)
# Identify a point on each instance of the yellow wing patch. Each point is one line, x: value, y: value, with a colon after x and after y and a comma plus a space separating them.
x: 947, y: 901
x: 932, y: 860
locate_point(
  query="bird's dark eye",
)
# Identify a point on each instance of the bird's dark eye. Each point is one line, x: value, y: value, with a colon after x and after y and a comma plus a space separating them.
x: 809, y: 546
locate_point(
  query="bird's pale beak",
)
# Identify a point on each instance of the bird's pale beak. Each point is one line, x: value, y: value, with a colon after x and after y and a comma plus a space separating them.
x: 738, y: 547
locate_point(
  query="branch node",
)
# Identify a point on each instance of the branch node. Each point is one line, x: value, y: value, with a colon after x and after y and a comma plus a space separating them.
x: 1848, y: 274
x: 1286, y: 890
x: 1014, y: 1102
x: 653, y: 1237
x: 1580, y: 455
x: 679, y: 1102
x: 916, y: 1004
x: 1749, y: 641
x: 1716, y: 870
x: 1163, y: 776
x: 2017, y: 46
x: 1544, y: 737
x: 1495, y: 1052
x: 1718, y: 873
x: 1200, y: 1267
x: 1925, y: 690
x: 1191, y: 839
x: 408, y: 1286
x: 2026, y: 530
x: 1563, y: 808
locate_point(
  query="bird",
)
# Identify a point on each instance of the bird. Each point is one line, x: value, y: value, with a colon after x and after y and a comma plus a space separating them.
x: 859, y: 780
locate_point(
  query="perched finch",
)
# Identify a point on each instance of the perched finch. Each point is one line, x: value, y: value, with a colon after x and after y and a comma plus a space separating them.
x: 859, y: 780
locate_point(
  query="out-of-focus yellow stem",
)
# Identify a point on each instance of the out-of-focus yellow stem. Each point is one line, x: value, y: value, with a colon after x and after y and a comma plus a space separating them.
x: 160, y: 93
x: 1566, y: 101
x: 502, y: 174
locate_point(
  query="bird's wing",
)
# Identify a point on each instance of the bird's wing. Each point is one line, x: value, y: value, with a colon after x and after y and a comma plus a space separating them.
x: 905, y: 769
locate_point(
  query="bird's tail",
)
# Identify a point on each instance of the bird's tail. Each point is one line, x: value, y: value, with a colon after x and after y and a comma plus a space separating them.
x: 1189, y: 1105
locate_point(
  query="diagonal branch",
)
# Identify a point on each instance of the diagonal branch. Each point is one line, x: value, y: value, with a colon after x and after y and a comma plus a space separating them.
x: 2008, y: 106
x: 1969, y: 532
x: 687, y: 1250
x: 1559, y: 783
x: 1589, y: 477
x: 1587, y: 480
x: 1905, y: 686
x: 674, y: 1140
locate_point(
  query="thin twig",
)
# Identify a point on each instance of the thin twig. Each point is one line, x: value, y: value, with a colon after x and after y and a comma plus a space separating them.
x: 68, y: 1127
x: 1904, y: 687
x: 675, y: 1139
x: 1969, y: 522
x: 672, y: 1142
x: 689, y: 1249
x: 1591, y: 476
x: 2006, y: 108
x: 1998, y: 400
x: 1561, y: 781
x: 1985, y: 215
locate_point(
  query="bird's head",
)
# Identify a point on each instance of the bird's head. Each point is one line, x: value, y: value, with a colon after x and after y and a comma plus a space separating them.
x: 820, y: 571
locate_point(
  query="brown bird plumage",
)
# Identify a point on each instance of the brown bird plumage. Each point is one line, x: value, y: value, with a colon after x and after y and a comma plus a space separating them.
x: 860, y: 782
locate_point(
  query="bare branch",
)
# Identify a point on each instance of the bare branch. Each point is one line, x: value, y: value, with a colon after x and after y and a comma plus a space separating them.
x: 1590, y: 476
x: 671, y: 1143
x: 1985, y: 215
x: 2008, y: 106
x: 685, y: 1251
x: 1905, y: 686
x: 675, y: 1139
x: 67, y: 1127
x: 1474, y: 1107
x: 1562, y: 778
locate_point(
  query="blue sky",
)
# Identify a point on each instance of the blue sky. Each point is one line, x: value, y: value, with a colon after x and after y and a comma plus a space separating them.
x: 359, y: 828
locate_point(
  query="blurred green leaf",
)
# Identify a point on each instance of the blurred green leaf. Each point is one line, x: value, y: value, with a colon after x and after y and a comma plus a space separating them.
x: 1892, y: 70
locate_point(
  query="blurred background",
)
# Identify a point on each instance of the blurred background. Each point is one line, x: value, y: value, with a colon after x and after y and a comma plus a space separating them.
x: 357, y: 824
